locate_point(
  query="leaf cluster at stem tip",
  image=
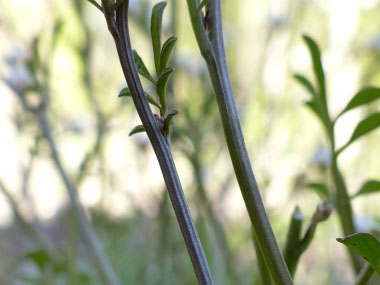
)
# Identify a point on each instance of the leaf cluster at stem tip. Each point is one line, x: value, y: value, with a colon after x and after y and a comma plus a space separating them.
x: 161, y: 54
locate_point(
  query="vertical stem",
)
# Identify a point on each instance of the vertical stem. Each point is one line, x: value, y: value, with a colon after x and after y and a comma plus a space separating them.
x: 291, y: 250
x: 263, y: 268
x: 343, y: 202
x: 212, y: 49
x: 88, y: 232
x: 119, y: 30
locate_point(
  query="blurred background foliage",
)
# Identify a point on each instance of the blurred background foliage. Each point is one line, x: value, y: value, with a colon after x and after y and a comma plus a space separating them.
x: 65, y: 47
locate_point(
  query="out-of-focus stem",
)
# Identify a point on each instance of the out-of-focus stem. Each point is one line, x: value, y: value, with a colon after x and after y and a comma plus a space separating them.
x: 365, y: 275
x: 212, y: 49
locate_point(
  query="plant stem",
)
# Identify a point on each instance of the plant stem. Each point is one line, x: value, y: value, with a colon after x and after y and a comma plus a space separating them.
x: 213, y: 52
x: 119, y: 30
x: 263, y: 268
x: 89, y: 234
x: 364, y: 275
x: 343, y: 202
x: 291, y: 252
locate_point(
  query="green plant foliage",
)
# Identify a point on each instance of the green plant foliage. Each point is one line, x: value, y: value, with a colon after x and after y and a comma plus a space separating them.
x: 364, y: 96
x: 366, y: 245
x: 125, y: 92
x: 317, y: 66
x: 313, y: 106
x: 370, y: 186
x: 162, y: 82
x: 156, y: 27
x: 137, y: 129
x: 321, y: 189
x: 141, y: 68
x: 166, y: 52
x: 168, y: 120
x: 364, y: 127
x: 39, y: 257
x: 306, y: 83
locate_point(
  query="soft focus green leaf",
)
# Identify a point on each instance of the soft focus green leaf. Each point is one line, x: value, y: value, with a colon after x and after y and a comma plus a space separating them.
x: 368, y: 187
x: 321, y: 189
x: 125, y: 92
x: 366, y: 245
x: 305, y: 83
x: 39, y: 257
x: 137, y: 129
x: 155, y: 28
x: 364, y: 96
x: 166, y: 52
x: 162, y: 82
x: 317, y: 66
x: 141, y: 68
x: 56, y: 32
x: 365, y: 126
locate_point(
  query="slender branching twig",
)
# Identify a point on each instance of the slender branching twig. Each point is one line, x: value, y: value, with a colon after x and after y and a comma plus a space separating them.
x: 212, y: 49
x: 118, y: 27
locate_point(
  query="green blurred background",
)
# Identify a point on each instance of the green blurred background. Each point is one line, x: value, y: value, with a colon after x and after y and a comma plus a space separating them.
x: 118, y: 178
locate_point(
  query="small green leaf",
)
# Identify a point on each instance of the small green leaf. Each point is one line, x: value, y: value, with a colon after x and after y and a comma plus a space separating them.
x: 364, y: 96
x: 366, y: 245
x: 125, y: 92
x: 306, y: 83
x: 317, y: 66
x: 166, y: 52
x: 371, y: 186
x: 155, y: 28
x: 137, y: 129
x: 321, y: 189
x: 141, y: 68
x: 168, y: 120
x: 162, y: 82
x: 365, y: 126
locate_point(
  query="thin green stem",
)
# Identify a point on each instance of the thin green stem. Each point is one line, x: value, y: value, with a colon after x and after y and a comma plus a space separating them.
x: 96, y: 4
x: 118, y: 28
x: 291, y: 252
x: 364, y: 275
x: 213, y: 52
x: 343, y: 202
x: 263, y: 268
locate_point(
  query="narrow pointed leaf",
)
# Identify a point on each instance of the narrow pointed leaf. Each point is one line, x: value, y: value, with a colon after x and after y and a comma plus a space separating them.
x: 312, y: 105
x: 141, y: 68
x: 364, y: 96
x: 306, y: 84
x: 168, y: 120
x: 321, y: 189
x: 137, y: 129
x: 155, y: 28
x: 365, y: 126
x: 125, y: 92
x: 371, y: 186
x: 317, y: 66
x: 366, y: 245
x: 162, y: 82
x: 166, y: 52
